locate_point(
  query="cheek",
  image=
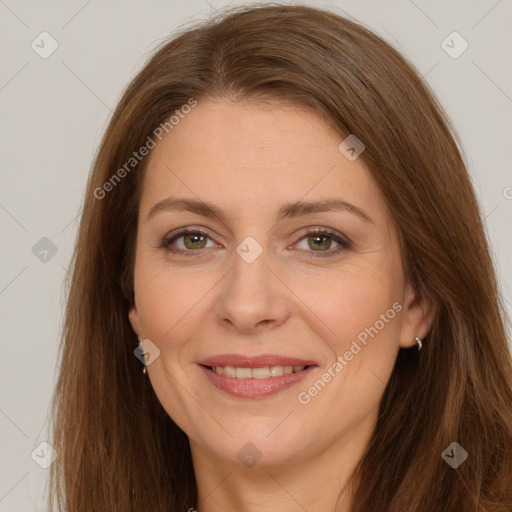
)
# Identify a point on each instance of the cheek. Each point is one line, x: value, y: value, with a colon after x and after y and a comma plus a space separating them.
x: 167, y: 299
x: 362, y: 310
x: 353, y: 300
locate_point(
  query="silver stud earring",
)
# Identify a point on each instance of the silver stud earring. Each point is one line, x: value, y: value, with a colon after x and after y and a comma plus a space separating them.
x: 418, y: 342
x: 144, y: 371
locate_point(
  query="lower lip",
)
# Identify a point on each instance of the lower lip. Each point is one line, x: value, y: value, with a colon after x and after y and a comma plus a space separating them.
x: 255, y: 388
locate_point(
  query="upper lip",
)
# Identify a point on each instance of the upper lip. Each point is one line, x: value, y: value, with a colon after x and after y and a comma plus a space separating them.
x: 241, y: 361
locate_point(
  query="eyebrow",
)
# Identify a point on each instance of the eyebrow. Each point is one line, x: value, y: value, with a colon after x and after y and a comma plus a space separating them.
x: 286, y: 211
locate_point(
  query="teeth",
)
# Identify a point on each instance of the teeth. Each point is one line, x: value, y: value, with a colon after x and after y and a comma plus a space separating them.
x: 243, y: 373
x: 259, y: 373
x: 276, y: 371
x: 256, y: 373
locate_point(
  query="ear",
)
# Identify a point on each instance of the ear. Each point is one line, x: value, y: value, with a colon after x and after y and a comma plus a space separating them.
x: 418, y: 314
x: 133, y: 317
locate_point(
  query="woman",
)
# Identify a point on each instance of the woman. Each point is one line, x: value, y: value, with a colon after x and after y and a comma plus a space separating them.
x: 280, y: 227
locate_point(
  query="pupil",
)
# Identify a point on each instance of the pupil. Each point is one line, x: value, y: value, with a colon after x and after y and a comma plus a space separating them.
x: 194, y: 238
x: 318, y: 240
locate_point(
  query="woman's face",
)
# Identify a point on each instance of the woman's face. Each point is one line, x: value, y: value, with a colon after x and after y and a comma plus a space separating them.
x: 252, y: 278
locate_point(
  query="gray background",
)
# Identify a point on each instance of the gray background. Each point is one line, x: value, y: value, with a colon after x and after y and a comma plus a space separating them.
x: 54, y: 110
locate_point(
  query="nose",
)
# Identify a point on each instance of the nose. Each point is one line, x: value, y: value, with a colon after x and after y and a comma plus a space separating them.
x: 253, y: 297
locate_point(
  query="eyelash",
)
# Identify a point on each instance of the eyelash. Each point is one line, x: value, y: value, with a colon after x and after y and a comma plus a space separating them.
x: 343, y: 242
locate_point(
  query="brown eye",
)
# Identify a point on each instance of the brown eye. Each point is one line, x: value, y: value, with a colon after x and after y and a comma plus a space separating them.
x: 194, y: 241
x: 187, y: 242
x: 320, y: 241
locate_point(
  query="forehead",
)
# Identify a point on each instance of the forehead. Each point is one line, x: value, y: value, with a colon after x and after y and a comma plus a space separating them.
x: 244, y: 155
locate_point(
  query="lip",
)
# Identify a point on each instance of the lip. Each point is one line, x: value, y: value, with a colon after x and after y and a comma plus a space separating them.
x: 242, y: 361
x: 254, y: 388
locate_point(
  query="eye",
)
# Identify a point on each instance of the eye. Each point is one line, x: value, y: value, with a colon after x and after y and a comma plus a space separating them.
x: 190, y: 240
x: 320, y: 241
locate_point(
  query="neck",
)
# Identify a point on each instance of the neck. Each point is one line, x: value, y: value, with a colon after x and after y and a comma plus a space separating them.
x: 306, y: 482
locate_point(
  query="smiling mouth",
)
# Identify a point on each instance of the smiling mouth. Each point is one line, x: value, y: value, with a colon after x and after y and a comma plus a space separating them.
x: 263, y: 372
x: 258, y: 382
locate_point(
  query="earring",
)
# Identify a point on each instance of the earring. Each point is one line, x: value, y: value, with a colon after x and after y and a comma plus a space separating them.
x: 418, y: 342
x: 144, y: 371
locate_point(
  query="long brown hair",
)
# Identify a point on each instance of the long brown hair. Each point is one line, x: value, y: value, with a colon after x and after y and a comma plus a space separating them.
x: 119, y: 450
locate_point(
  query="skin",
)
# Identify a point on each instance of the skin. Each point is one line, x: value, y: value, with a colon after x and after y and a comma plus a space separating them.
x: 249, y: 159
